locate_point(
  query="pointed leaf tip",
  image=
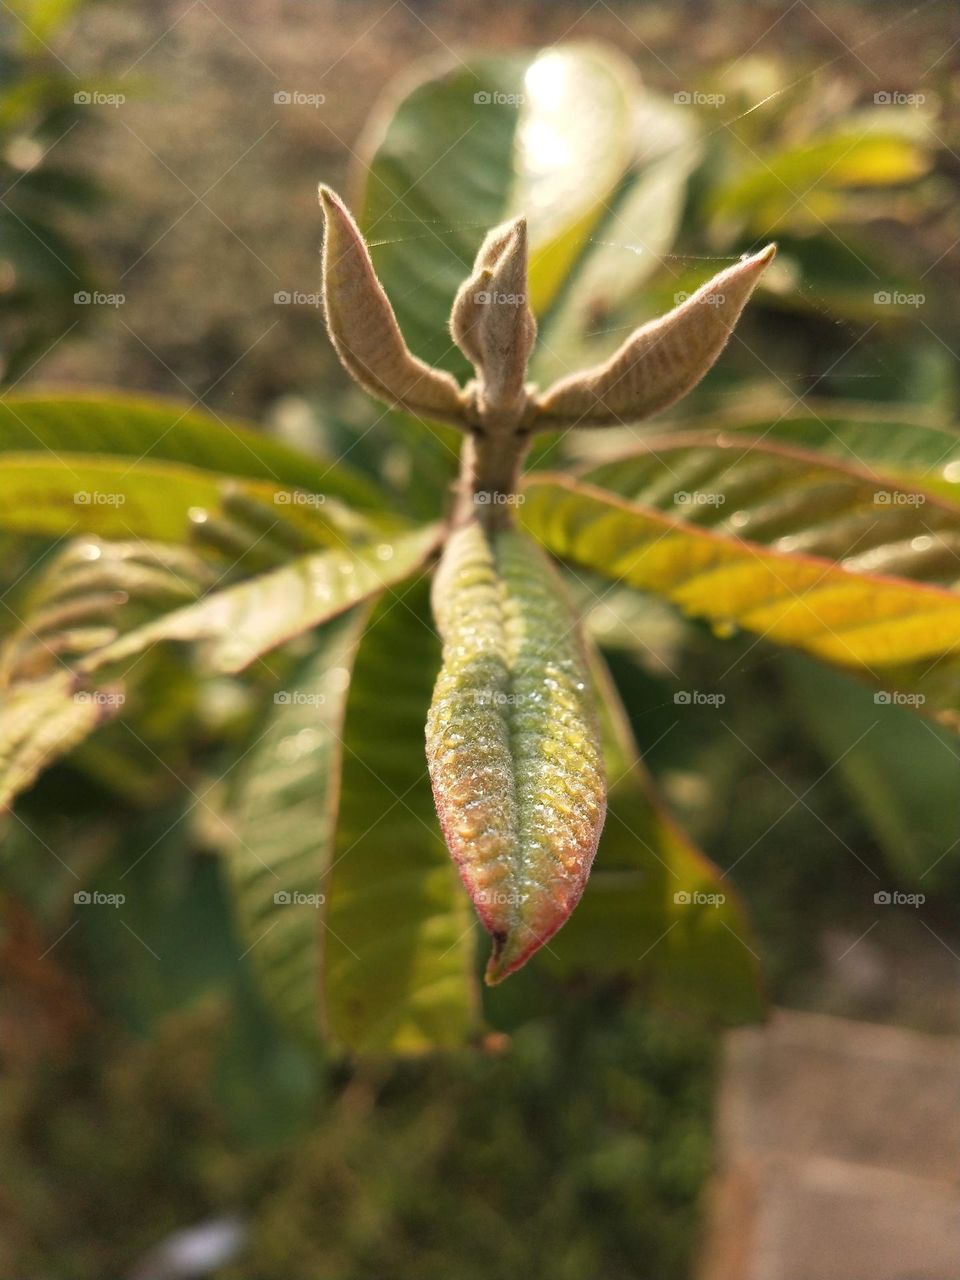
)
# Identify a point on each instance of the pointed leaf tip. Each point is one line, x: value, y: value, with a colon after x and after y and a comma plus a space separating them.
x: 364, y: 329
x: 661, y: 361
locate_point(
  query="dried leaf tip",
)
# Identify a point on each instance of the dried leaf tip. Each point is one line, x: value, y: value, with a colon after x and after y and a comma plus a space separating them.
x: 661, y: 361
x: 364, y: 329
x: 491, y: 321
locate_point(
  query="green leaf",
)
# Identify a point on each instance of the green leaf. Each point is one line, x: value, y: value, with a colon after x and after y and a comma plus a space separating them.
x: 240, y: 623
x: 114, y: 498
x: 804, y: 186
x: 902, y: 772
x: 917, y: 448
x: 655, y: 908
x: 283, y: 825
x: 154, y: 430
x: 603, y: 297
x: 398, y: 963
x: 853, y: 618
x: 792, y: 501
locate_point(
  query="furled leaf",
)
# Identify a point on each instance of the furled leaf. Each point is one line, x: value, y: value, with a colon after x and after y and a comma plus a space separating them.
x: 512, y: 742
x: 399, y: 946
x: 491, y: 321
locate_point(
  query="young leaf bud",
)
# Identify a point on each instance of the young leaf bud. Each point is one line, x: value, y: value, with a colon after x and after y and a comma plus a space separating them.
x: 513, y: 745
x: 491, y: 321
x: 364, y: 329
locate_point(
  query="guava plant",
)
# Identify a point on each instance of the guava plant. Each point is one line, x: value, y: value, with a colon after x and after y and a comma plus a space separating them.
x: 513, y: 739
x: 148, y: 533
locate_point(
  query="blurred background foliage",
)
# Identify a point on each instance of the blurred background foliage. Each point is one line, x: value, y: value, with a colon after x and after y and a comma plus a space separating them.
x: 138, y: 1098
